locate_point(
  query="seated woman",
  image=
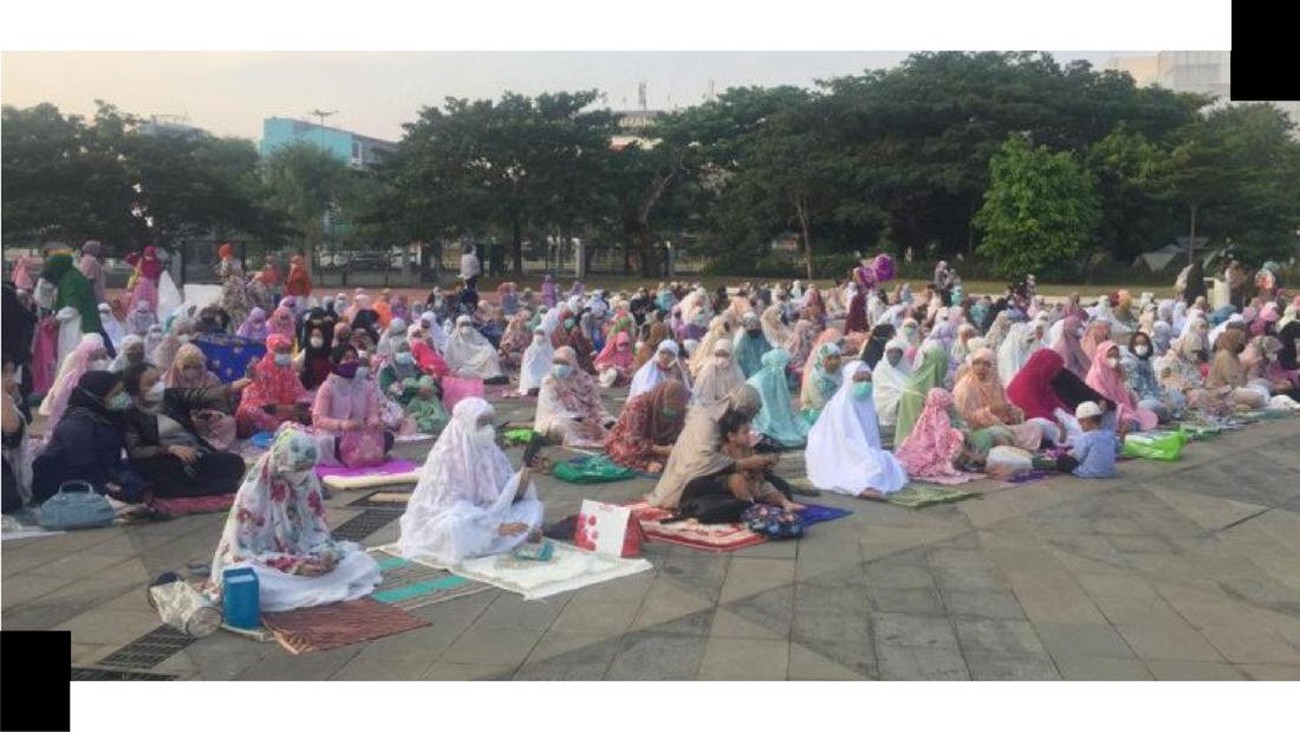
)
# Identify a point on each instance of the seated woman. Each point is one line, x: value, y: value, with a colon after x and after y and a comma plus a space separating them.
x: 889, y: 377
x: 723, y: 496
x: 1140, y: 378
x: 934, y: 445
x: 572, y: 334
x: 162, y: 441
x: 86, y: 444
x: 277, y: 527
x: 982, y: 405
x: 17, y: 482
x: 1107, y: 377
x: 515, y: 339
x: 315, y: 362
x: 181, y: 333
x: 348, y: 401
x: 213, y: 423
x: 874, y: 348
x: 844, y: 453
x: 719, y: 376
x: 396, y: 331
x: 254, y: 327
x: 536, y: 363
x: 697, y: 454
x: 415, y: 391
x: 470, y: 355
x: 777, y: 420
x: 751, y: 344
x: 1045, y: 389
x: 89, y: 355
x: 614, y: 364
x: 469, y: 502
x: 1228, y: 376
x: 276, y: 395
x: 931, y: 370
x: 664, y: 365
x: 130, y: 353
x: 821, y: 382
x: 569, y: 408
x: 645, y: 432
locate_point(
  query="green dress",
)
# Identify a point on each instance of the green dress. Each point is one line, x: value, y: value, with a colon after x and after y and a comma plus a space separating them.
x: 429, y: 414
x: 777, y: 419
x: 931, y: 373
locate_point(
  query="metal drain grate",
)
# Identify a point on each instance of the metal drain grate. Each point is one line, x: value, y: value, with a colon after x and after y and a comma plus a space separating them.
x: 114, y: 674
x: 150, y: 649
x: 364, y: 524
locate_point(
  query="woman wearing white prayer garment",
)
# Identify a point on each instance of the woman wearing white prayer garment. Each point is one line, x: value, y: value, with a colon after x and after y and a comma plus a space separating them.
x: 469, y: 502
x: 536, y: 362
x: 889, y: 379
x: 277, y: 526
x: 664, y: 365
x: 470, y: 354
x: 844, y: 453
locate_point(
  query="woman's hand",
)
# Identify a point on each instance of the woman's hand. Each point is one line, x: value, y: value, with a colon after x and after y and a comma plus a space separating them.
x: 240, y: 384
x: 514, y: 528
x: 187, y: 455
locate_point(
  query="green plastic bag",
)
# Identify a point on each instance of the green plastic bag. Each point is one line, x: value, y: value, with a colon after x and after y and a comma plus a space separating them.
x: 596, y: 469
x: 518, y: 437
x: 1160, y: 445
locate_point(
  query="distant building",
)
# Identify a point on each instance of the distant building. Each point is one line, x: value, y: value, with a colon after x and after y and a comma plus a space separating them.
x: 633, y: 122
x: 356, y: 150
x: 166, y: 124
x: 1143, y: 69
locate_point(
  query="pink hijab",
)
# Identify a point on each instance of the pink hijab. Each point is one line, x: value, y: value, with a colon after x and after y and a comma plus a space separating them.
x: 932, y: 445
x: 1109, y: 382
x: 1098, y: 331
x: 611, y: 357
x: 1071, y: 349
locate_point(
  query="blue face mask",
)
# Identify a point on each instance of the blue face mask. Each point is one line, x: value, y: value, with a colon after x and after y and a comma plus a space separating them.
x: 363, y: 372
x: 404, y: 357
x: 120, y: 402
x: 862, y: 390
x: 283, y: 359
x: 561, y: 370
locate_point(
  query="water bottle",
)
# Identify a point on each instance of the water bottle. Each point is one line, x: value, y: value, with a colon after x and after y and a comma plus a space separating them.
x: 240, y: 598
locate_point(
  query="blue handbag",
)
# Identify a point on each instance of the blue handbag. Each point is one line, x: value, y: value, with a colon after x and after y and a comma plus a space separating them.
x: 74, y: 508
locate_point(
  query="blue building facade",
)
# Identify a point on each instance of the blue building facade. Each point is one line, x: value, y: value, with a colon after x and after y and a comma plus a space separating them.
x: 356, y: 150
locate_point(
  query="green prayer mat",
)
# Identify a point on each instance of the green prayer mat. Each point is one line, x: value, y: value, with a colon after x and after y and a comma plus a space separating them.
x: 409, y: 585
x: 920, y: 496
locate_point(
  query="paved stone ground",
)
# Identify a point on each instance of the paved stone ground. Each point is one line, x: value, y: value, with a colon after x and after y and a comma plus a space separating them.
x: 1189, y: 570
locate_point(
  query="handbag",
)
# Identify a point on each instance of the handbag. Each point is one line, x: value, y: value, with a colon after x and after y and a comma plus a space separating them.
x: 73, y: 508
x: 362, y: 448
x: 772, y: 521
x: 608, y: 529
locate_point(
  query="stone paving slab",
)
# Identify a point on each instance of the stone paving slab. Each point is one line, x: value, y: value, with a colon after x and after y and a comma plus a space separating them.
x: 1188, y: 570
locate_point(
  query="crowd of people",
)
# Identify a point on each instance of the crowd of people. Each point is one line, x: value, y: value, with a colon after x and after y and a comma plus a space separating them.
x: 877, y: 384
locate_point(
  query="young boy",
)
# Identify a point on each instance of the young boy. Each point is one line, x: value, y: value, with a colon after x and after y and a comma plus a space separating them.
x: 1092, y: 454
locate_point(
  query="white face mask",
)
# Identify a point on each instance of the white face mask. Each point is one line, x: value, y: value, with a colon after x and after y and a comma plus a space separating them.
x: 1141, y: 350
x: 1113, y: 361
x: 317, y: 342
x: 101, y: 364
x: 485, y: 436
x: 183, y: 337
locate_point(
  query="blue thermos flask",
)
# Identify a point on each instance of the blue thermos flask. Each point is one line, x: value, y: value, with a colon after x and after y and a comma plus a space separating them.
x: 240, y: 601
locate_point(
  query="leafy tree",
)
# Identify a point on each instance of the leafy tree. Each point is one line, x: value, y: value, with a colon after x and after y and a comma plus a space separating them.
x: 305, y: 183
x: 1040, y: 211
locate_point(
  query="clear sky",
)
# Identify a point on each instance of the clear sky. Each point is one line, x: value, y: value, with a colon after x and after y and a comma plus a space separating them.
x: 375, y: 92
x: 227, y: 66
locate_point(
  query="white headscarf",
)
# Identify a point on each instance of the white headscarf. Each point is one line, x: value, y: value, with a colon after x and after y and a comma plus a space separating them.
x: 843, y: 453
x: 649, y: 375
x: 437, y: 335
x: 1015, y: 350
x: 466, y: 490
x: 469, y: 352
x: 889, y: 381
x: 717, y: 380
x: 537, y: 361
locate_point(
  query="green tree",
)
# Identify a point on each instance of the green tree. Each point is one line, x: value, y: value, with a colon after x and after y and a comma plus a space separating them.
x: 305, y: 183
x: 1040, y: 211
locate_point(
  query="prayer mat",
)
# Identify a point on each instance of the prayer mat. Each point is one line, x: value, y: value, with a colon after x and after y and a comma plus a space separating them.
x: 815, y: 514
x: 390, y: 473
x: 920, y: 496
x: 414, y: 437
x: 338, y: 624
x: 393, y: 499
x: 948, y: 480
x: 568, y: 569
x: 691, y: 533
x: 409, y: 585
x: 194, y: 504
x: 1029, y: 476
x: 229, y: 356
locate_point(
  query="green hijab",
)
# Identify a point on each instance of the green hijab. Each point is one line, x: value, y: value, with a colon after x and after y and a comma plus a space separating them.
x: 930, y: 374
x: 777, y: 419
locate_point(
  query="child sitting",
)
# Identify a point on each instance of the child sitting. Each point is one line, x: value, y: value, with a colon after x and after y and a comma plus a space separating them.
x: 1092, y: 454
